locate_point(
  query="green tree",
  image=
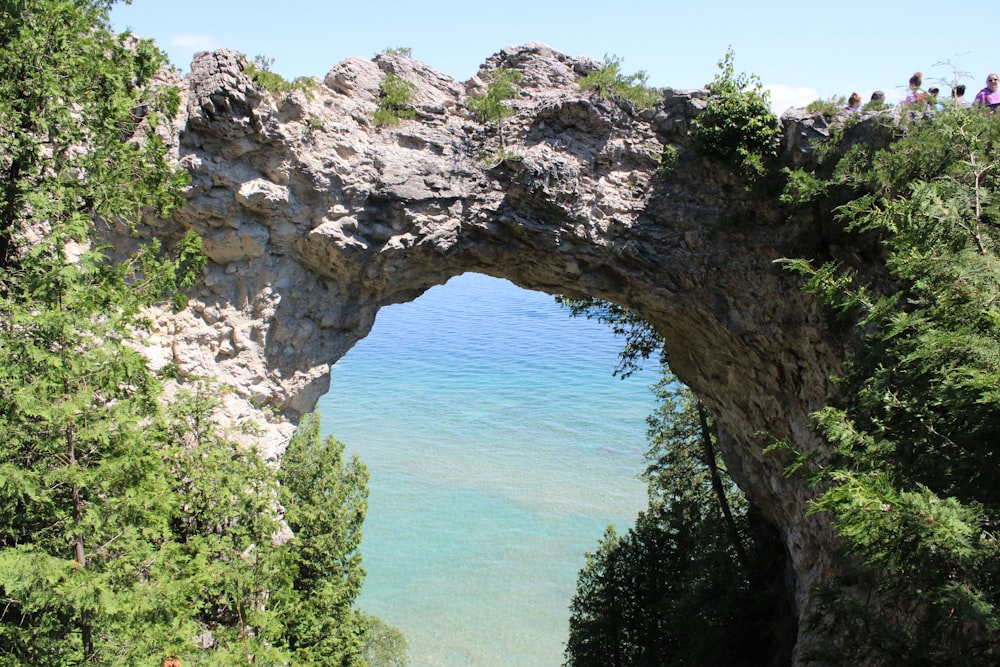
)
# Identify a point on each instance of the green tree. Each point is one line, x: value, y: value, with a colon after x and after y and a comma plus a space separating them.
x: 325, y: 500
x: 84, y: 501
x: 66, y: 81
x: 912, y: 484
x: 384, y: 646
x: 503, y: 85
x: 126, y: 528
x: 224, y: 557
x: 688, y: 584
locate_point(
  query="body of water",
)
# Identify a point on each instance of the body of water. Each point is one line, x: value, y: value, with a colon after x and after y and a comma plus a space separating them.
x: 499, y: 447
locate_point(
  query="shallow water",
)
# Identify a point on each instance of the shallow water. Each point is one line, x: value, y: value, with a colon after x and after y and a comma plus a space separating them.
x: 499, y: 447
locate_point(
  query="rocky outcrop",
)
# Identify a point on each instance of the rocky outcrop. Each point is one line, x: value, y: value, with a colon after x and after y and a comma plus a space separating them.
x: 313, y: 219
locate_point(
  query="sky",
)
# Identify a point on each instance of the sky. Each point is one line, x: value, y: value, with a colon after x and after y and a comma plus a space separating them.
x: 801, y: 51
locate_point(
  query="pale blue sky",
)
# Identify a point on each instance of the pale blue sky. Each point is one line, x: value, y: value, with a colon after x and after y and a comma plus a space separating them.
x: 804, y: 50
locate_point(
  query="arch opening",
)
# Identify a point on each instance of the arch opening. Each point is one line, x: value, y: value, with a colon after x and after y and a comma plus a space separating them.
x: 500, y: 447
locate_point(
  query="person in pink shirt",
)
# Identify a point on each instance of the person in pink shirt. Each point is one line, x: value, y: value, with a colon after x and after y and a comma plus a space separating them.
x: 988, y: 96
x: 916, y: 94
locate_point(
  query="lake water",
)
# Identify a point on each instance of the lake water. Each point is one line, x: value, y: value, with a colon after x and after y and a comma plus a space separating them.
x: 499, y: 447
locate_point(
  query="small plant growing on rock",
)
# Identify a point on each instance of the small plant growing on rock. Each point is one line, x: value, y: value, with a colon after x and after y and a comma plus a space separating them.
x: 828, y: 107
x: 609, y: 82
x: 737, y: 125
x: 669, y: 159
x: 395, y: 100
x: 398, y: 51
x: 259, y: 71
x: 504, y: 85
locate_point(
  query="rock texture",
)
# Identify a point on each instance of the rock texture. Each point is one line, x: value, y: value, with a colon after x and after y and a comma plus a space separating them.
x: 313, y: 219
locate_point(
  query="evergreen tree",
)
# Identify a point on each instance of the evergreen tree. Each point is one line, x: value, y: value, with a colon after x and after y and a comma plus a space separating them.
x: 325, y: 500
x: 225, y: 555
x: 84, y: 501
x: 688, y: 584
x: 504, y: 85
x: 913, y: 482
x: 77, y: 107
x: 130, y: 528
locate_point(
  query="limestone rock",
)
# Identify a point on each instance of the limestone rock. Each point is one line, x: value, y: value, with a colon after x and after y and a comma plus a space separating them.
x: 314, y: 219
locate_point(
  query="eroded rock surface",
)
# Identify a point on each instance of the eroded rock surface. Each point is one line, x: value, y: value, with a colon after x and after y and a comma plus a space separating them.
x: 313, y: 219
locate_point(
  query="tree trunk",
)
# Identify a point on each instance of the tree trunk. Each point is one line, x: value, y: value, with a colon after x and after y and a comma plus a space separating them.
x: 720, y: 491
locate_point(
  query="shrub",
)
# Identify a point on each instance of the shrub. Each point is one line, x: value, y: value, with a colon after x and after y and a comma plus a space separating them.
x: 504, y: 85
x: 828, y: 107
x: 398, y: 51
x: 668, y: 161
x: 737, y: 126
x: 259, y: 71
x: 610, y: 83
x: 395, y: 100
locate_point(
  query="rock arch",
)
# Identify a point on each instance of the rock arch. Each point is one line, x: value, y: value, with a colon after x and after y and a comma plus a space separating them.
x: 313, y: 218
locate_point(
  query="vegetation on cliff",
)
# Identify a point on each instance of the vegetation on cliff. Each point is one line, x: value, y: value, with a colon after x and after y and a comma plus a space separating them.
x: 693, y: 582
x: 909, y: 478
x: 131, y: 528
x: 737, y: 125
x: 912, y: 481
x: 611, y: 83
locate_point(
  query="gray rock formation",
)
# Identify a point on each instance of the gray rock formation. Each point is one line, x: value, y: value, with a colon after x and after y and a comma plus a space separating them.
x: 313, y: 219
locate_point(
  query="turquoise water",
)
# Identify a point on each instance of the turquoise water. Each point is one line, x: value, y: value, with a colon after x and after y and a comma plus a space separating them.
x: 499, y: 447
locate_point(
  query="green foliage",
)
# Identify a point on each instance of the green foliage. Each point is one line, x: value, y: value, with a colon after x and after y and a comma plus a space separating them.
x: 831, y: 106
x: 669, y: 159
x: 609, y: 83
x: 698, y: 579
x: 259, y: 71
x: 325, y: 500
x: 128, y: 526
x: 395, y: 100
x: 802, y: 187
x: 504, y: 85
x: 385, y: 646
x: 86, y: 502
x: 64, y: 85
x: 641, y: 339
x: 875, y: 105
x: 912, y: 486
x: 315, y: 123
x: 399, y: 51
x: 677, y: 588
x: 221, y: 556
x: 737, y: 125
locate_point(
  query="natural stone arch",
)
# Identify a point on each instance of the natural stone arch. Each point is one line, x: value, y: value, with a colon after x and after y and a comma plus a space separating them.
x: 313, y: 219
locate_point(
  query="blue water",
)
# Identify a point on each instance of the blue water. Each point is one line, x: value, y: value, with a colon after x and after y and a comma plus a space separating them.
x: 499, y: 447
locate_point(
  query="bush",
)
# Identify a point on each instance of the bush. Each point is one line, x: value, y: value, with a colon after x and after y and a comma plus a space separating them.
x: 911, y: 485
x: 259, y: 71
x: 831, y: 106
x: 668, y: 161
x: 504, y: 85
x: 737, y: 126
x: 611, y: 84
x: 395, y: 100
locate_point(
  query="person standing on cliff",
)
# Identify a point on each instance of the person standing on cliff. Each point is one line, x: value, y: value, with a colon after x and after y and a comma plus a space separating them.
x: 958, y: 96
x: 853, y: 103
x: 916, y: 94
x: 989, y: 97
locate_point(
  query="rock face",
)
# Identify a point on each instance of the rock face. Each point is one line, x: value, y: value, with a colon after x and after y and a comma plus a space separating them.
x: 313, y: 219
